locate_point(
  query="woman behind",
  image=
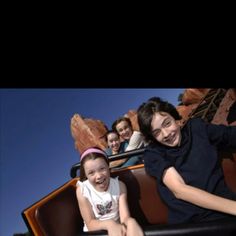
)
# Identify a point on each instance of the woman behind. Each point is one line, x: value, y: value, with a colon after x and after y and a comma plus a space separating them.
x: 133, y: 140
x: 185, y: 163
x: 102, y: 199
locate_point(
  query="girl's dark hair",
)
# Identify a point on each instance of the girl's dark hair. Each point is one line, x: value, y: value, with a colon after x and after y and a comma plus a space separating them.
x: 90, y: 156
x: 119, y: 120
x: 146, y: 112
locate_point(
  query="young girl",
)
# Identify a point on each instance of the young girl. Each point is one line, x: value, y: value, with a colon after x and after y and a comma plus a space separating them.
x: 102, y: 199
x: 185, y: 163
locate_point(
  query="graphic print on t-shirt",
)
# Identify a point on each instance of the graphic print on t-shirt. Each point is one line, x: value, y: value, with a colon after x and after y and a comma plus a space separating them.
x: 104, y: 209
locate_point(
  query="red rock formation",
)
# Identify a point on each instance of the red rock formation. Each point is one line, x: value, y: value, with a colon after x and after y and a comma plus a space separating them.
x: 192, y: 96
x: 87, y: 133
x: 132, y: 115
x: 223, y: 110
x: 185, y: 111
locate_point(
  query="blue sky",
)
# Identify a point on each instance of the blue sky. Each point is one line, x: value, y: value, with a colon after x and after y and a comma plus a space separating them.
x: 36, y: 146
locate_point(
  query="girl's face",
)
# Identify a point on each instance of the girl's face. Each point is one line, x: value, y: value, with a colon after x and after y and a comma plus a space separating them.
x: 113, y: 142
x: 97, y: 173
x: 165, y: 129
x: 124, y: 130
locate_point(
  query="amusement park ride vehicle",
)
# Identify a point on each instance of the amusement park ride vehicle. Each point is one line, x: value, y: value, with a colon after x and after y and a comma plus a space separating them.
x: 57, y: 214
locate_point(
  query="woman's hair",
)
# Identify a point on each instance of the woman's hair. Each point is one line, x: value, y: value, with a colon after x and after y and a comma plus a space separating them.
x: 91, y: 154
x: 146, y: 112
x: 116, y: 122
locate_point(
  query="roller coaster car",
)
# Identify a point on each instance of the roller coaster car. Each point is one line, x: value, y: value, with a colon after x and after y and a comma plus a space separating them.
x: 58, y: 213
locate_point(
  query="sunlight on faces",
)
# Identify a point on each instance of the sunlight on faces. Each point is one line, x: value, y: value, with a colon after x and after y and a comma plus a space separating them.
x: 98, y: 174
x: 113, y: 142
x: 165, y: 129
x: 124, y: 130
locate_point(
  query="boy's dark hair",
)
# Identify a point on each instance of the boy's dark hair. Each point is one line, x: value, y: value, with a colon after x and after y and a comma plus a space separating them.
x: 119, y: 120
x: 90, y: 156
x: 148, y: 109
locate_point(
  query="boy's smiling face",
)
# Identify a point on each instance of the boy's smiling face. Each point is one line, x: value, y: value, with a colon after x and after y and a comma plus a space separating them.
x: 165, y: 129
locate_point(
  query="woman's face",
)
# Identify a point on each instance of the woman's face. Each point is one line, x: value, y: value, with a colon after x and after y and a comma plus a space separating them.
x: 113, y: 142
x: 124, y: 130
x: 98, y: 173
x: 165, y: 129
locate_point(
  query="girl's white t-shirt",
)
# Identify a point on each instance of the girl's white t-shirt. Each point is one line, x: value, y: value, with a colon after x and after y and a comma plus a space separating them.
x: 105, y: 205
